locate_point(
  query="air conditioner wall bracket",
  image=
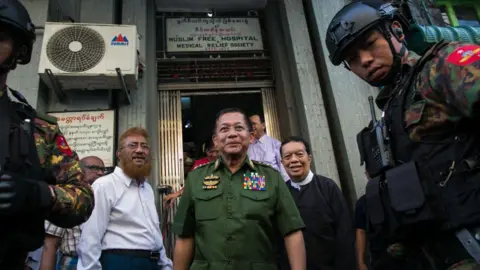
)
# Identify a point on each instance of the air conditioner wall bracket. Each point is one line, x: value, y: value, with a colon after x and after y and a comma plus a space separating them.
x: 126, y: 91
x: 57, y: 88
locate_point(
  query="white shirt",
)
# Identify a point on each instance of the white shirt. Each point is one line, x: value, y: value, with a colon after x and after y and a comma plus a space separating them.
x: 304, y: 182
x: 124, y: 217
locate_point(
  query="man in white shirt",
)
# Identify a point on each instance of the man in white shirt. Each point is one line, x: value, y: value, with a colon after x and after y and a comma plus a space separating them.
x: 123, y: 232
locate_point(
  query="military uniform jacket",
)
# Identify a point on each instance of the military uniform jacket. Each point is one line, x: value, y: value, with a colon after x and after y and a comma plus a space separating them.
x: 74, y: 197
x: 235, y: 218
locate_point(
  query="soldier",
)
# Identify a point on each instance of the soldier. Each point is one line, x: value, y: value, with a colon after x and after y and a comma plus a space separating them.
x: 232, y: 209
x: 422, y: 156
x: 40, y: 177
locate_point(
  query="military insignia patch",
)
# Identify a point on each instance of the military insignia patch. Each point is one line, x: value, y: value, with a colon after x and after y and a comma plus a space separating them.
x: 464, y: 55
x: 63, y: 146
x: 211, y: 182
x: 254, y: 182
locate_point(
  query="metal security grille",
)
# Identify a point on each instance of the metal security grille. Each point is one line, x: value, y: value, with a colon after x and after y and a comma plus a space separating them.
x: 202, y: 70
x: 270, y: 113
x: 171, y: 157
x: 171, y: 152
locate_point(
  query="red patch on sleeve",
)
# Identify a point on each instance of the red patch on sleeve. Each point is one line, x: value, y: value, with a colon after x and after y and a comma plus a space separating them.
x: 464, y: 55
x: 63, y: 146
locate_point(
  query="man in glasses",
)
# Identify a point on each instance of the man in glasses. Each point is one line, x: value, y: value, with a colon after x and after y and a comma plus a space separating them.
x: 40, y: 177
x: 232, y: 209
x: 67, y: 239
x: 123, y: 232
x: 92, y: 168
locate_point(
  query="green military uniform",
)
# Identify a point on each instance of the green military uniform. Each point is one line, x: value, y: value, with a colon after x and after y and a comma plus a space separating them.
x: 74, y: 197
x: 235, y: 218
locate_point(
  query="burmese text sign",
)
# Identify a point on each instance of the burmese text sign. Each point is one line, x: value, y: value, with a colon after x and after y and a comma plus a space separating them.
x: 213, y: 34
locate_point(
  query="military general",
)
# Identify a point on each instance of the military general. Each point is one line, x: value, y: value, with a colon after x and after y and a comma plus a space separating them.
x: 233, y: 209
x: 423, y: 155
x: 40, y: 177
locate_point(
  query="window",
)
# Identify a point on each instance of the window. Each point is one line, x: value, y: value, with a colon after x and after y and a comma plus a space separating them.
x: 466, y: 15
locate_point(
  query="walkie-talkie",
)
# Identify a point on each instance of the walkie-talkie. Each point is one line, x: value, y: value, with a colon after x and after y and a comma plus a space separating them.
x: 381, y: 150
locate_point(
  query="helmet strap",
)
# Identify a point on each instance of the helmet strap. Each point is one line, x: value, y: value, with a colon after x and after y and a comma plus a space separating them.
x: 9, y: 64
x: 395, y: 70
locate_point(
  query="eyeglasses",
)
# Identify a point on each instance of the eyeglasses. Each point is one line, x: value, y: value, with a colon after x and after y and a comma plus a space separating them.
x: 95, y: 168
x: 134, y: 146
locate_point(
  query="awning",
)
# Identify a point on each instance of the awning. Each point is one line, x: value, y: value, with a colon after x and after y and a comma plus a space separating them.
x: 421, y: 37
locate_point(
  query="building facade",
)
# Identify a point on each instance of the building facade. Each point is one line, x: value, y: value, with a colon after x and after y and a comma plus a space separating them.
x: 279, y: 68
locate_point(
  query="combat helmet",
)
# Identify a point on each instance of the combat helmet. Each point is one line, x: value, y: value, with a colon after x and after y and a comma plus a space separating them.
x: 15, y: 19
x: 355, y: 19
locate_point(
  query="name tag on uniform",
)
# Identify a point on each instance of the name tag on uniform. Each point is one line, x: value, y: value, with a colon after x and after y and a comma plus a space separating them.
x: 211, y: 182
x: 253, y: 181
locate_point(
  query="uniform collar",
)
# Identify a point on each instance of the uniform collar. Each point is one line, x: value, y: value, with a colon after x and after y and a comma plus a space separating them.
x: 387, y: 91
x: 4, y: 92
x: 262, y: 139
x: 219, y: 163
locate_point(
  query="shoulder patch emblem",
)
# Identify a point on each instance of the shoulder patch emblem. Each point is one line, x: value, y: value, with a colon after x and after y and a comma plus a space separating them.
x: 464, y: 55
x: 63, y: 146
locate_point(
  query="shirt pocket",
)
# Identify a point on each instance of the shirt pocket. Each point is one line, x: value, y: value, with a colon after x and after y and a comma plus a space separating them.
x: 208, y: 205
x: 415, y: 113
x: 256, y: 204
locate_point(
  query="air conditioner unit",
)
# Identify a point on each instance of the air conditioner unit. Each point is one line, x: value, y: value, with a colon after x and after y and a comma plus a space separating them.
x: 87, y: 56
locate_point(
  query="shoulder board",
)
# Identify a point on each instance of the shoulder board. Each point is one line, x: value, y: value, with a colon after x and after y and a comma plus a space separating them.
x: 261, y: 163
x: 203, y: 165
x: 48, y: 118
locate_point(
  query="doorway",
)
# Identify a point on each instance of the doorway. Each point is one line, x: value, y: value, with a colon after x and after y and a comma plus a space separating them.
x: 199, y: 112
x: 187, y: 119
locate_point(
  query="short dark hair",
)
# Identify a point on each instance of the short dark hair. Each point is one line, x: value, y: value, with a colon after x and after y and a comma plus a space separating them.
x: 296, y: 139
x: 208, y: 144
x: 262, y: 118
x: 232, y: 110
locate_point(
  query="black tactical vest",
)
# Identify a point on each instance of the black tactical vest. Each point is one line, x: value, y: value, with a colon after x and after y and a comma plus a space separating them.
x: 435, y: 183
x: 23, y: 231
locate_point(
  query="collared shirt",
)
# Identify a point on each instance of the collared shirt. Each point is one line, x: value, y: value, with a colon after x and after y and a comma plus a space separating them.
x: 304, y: 182
x: 267, y: 150
x: 235, y: 218
x: 124, y: 217
x: 34, y: 258
x: 69, y: 237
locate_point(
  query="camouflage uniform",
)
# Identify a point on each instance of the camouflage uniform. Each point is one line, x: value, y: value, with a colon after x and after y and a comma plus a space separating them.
x: 74, y: 198
x: 450, y: 92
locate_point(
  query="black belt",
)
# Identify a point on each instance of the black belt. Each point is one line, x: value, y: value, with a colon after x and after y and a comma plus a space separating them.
x: 140, y: 253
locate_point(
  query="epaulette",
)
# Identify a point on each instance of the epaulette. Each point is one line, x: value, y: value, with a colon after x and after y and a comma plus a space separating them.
x: 261, y: 163
x: 203, y: 165
x: 48, y: 118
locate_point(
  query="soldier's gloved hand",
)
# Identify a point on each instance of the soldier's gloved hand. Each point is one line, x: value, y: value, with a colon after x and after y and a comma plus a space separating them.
x: 19, y: 194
